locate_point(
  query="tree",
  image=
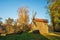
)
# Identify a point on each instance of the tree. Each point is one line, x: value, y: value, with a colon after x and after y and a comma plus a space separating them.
x: 16, y: 28
x: 54, y: 8
x: 9, y: 27
x: 9, y: 21
x: 0, y: 21
x: 23, y: 17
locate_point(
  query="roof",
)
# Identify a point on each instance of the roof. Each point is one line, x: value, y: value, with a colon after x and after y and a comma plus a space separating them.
x: 40, y: 20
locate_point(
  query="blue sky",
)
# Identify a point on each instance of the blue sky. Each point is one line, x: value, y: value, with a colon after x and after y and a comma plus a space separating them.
x: 8, y: 8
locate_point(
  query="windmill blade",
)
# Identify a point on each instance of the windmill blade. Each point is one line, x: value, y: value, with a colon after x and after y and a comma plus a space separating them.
x: 34, y: 23
x: 33, y: 15
x: 33, y: 18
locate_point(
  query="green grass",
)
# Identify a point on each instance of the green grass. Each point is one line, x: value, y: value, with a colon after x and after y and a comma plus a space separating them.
x: 24, y: 36
x: 29, y: 36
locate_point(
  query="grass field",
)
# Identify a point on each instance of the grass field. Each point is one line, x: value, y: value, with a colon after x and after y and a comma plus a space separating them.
x: 29, y: 36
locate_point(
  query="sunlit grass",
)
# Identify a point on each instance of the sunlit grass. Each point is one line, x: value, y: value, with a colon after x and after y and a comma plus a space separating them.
x: 53, y: 36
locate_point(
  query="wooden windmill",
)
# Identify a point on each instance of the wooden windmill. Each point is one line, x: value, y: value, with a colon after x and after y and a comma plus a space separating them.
x: 33, y: 23
x: 39, y: 24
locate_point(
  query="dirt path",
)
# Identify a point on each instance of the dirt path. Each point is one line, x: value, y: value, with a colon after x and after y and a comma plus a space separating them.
x: 52, y: 36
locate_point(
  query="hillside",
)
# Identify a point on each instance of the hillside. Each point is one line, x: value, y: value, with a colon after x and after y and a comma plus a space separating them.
x: 24, y: 36
x: 30, y: 36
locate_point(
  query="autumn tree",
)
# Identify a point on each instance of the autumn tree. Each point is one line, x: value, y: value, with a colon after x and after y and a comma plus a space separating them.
x: 23, y: 17
x: 1, y: 25
x: 0, y: 21
x: 54, y: 8
x: 16, y: 27
x: 8, y: 24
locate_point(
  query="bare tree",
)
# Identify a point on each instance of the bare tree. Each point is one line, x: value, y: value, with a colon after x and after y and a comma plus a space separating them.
x: 23, y: 17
